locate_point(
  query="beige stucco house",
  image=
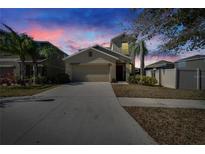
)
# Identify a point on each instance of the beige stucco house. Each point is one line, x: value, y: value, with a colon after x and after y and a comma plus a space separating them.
x: 97, y: 63
x: 187, y: 73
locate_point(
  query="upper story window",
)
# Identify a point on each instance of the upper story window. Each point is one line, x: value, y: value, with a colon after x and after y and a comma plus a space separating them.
x: 125, y: 48
x: 90, y: 53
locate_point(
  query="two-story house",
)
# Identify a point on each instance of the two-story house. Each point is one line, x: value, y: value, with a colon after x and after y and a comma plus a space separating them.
x: 97, y: 63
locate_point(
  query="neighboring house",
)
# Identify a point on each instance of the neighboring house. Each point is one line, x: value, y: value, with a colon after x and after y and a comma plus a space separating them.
x: 162, y: 71
x: 187, y: 73
x: 97, y: 63
x: 191, y: 72
x: 49, y: 64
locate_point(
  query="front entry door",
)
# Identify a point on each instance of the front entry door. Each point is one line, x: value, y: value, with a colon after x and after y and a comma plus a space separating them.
x: 120, y: 73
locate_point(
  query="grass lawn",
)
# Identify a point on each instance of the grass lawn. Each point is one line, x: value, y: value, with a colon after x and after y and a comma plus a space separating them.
x: 23, y: 91
x: 132, y: 90
x: 171, y: 125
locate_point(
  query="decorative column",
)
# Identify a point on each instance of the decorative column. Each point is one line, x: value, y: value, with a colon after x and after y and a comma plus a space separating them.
x: 110, y: 72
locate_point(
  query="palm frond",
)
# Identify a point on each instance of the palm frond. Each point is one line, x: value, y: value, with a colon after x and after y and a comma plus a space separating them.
x: 10, y: 29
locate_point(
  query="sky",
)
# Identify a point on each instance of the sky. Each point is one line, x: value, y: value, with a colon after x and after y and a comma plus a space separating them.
x: 73, y: 29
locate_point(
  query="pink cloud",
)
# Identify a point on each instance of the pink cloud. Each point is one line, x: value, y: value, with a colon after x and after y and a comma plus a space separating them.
x: 70, y: 39
x: 153, y: 59
x: 52, y: 35
x: 76, y: 38
x: 105, y: 44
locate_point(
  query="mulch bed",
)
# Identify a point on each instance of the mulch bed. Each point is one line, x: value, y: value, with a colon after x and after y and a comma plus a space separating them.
x: 171, y: 125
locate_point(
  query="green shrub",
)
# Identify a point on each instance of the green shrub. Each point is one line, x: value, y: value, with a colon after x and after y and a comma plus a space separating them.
x: 148, y: 81
x: 62, y: 78
x: 42, y: 80
x: 145, y: 80
x: 135, y: 79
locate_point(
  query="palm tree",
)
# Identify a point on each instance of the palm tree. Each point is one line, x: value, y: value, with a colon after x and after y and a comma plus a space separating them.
x: 33, y: 52
x: 139, y: 49
x: 15, y: 43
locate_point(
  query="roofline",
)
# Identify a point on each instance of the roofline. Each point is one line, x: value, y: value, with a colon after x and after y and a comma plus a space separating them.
x: 6, y: 66
x: 160, y: 61
x: 118, y: 36
x: 151, y: 67
x: 52, y: 45
x: 68, y: 57
x: 30, y: 61
x: 106, y: 54
x: 115, y: 52
x: 184, y: 60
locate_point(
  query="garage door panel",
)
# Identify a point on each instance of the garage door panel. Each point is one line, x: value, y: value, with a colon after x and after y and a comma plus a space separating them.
x: 90, y: 73
x: 187, y: 79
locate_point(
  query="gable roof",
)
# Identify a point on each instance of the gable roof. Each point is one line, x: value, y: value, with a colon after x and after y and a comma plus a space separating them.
x: 113, y: 53
x: 161, y: 64
x: 47, y: 43
x: 84, y: 50
x: 195, y: 57
x: 105, y: 51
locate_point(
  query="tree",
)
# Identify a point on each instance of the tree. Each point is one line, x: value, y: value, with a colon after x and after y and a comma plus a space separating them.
x: 15, y: 43
x: 33, y: 52
x: 139, y: 49
x: 183, y: 27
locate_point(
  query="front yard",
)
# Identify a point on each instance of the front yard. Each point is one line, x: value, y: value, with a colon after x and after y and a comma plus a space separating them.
x: 141, y: 91
x: 166, y: 125
x: 23, y: 91
x: 171, y: 125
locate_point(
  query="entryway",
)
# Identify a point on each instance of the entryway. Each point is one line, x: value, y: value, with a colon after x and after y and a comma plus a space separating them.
x: 120, y: 72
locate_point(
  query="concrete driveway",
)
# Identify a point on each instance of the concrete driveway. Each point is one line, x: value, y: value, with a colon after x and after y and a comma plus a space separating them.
x: 80, y: 113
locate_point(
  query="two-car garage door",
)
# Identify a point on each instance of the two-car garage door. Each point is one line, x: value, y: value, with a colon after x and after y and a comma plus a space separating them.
x: 93, y: 73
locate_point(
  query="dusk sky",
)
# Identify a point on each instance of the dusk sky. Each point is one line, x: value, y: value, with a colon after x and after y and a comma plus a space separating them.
x: 72, y: 29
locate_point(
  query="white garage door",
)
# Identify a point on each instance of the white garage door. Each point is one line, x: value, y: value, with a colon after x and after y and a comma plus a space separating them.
x: 92, y: 73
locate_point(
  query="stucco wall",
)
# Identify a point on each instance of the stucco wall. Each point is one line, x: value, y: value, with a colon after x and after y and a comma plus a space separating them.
x: 168, y: 78
x: 16, y: 65
x: 203, y: 80
x: 128, y: 71
x: 97, y: 58
x: 188, y: 74
x: 113, y: 71
x: 184, y: 76
x: 157, y: 76
x: 149, y: 73
x: 164, y: 77
x: 187, y: 79
x: 191, y: 65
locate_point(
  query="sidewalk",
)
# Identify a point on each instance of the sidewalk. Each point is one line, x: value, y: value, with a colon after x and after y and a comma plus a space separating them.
x: 166, y: 103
